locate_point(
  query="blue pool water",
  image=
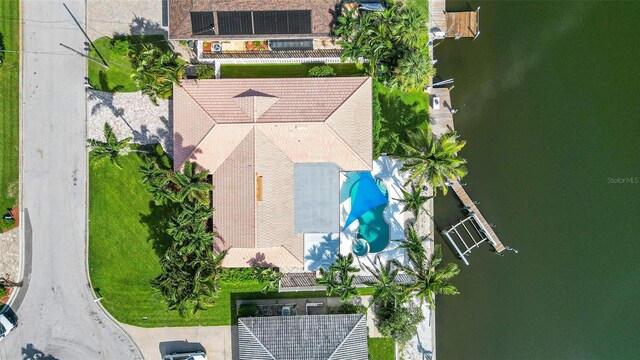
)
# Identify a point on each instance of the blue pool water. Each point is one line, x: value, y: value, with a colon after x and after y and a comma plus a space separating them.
x: 372, y: 225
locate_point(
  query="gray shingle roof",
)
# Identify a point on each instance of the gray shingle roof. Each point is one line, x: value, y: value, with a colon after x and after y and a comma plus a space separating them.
x: 312, y: 337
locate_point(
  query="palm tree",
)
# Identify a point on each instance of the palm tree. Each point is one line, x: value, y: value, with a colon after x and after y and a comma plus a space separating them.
x: 413, y: 246
x: 340, y: 277
x: 158, y: 182
x: 386, y: 290
x: 111, y: 148
x: 189, y: 284
x: 414, y: 201
x: 270, y: 276
x: 431, y: 280
x: 414, y: 70
x: 155, y: 70
x: 433, y: 160
x: 191, y: 184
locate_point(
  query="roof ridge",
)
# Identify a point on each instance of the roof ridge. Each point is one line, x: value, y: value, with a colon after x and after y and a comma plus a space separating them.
x: 347, y: 98
x: 355, y: 326
x: 255, y: 337
x: 347, y: 145
x: 274, y: 144
x: 196, y: 146
x: 198, y: 103
x: 334, y: 130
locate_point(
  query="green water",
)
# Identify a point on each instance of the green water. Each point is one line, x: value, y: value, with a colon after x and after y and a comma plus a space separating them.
x: 549, y: 101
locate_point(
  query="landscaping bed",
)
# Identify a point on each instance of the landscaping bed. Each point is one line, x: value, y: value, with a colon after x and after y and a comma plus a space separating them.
x: 117, y: 78
x: 9, y: 104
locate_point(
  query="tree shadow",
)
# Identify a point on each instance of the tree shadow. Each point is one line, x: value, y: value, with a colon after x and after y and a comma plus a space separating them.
x: 399, y: 118
x: 143, y: 26
x: 183, y: 152
x: 31, y: 353
x: 323, y: 254
x: 157, y: 222
x: 259, y: 259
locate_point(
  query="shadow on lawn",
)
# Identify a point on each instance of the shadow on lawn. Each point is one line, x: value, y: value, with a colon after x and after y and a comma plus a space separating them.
x: 158, y: 222
x: 398, y: 119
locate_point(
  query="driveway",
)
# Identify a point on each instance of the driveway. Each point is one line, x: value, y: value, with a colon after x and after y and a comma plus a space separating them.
x: 136, y: 17
x: 58, y: 318
x: 156, y: 342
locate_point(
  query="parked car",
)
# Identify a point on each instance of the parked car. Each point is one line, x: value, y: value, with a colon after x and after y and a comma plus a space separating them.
x: 8, y: 322
x: 198, y: 355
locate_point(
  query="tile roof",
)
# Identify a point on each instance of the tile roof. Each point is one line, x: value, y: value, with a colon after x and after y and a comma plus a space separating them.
x: 244, y: 129
x: 279, y: 54
x: 323, y: 16
x: 303, y: 337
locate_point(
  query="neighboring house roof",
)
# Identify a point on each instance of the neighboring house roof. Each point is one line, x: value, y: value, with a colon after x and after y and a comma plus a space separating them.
x: 319, y: 18
x: 300, y: 337
x: 249, y: 133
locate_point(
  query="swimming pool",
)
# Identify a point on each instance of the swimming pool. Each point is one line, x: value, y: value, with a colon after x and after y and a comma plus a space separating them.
x: 372, y: 226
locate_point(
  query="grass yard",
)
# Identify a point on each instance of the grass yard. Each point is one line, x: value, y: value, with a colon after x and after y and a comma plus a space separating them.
x: 123, y: 259
x: 117, y: 77
x: 401, y: 112
x: 9, y: 104
x: 381, y: 349
x: 282, y: 70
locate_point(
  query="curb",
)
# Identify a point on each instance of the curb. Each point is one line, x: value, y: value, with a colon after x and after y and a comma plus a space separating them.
x: 86, y: 214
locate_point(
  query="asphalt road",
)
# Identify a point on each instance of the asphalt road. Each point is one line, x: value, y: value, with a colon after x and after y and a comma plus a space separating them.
x: 58, y: 318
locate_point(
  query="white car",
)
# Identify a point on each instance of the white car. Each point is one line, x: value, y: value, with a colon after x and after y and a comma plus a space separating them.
x: 198, y: 355
x: 8, y: 322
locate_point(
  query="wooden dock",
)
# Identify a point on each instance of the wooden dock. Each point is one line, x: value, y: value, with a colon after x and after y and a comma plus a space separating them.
x: 440, y: 111
x: 461, y: 193
x: 464, y: 24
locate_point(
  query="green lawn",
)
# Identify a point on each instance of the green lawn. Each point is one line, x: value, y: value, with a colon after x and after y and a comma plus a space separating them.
x: 401, y: 112
x: 117, y: 77
x: 122, y: 258
x: 381, y: 349
x: 282, y: 70
x: 9, y: 104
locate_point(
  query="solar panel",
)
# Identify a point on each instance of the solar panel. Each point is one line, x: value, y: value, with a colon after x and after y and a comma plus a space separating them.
x: 282, y: 22
x: 202, y: 23
x: 234, y: 23
x: 293, y: 44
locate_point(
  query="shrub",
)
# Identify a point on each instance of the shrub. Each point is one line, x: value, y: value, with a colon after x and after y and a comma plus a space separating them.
x: 322, y: 71
x: 205, y: 71
x: 247, y: 310
x: 377, y: 121
x: 347, y: 308
x: 120, y: 46
x: 7, y: 224
x: 398, y: 321
x: 237, y: 275
x: 3, y: 292
x: 155, y: 69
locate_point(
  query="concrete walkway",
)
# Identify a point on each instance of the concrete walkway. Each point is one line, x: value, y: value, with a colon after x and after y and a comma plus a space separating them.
x: 10, y: 253
x: 157, y: 342
x: 130, y: 114
x: 136, y: 17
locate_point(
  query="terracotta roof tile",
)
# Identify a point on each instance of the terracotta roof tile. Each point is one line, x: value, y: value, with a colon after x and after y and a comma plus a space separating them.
x: 310, y: 121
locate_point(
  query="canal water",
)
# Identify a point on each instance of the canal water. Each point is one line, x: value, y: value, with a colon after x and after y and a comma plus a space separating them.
x: 549, y: 102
